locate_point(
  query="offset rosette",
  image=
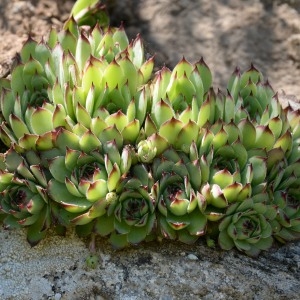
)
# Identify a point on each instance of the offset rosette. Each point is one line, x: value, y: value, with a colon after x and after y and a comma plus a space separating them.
x: 184, y: 84
x: 102, y: 68
x: 176, y: 188
x: 130, y: 217
x: 166, y: 127
x: 24, y: 196
x: 247, y: 227
x: 83, y: 183
x: 286, y: 225
x: 228, y: 171
x: 250, y: 97
x: 182, y: 103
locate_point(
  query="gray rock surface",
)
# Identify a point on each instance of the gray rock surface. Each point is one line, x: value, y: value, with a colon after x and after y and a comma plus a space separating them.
x: 56, y: 269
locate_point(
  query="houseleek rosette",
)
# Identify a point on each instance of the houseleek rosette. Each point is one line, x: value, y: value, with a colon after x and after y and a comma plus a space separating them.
x: 247, y: 227
x: 130, y: 217
x: 286, y: 225
x: 165, y: 126
x: 176, y: 188
x: 83, y: 183
x: 69, y: 79
x: 252, y: 97
x: 181, y: 105
x: 283, y: 186
x: 186, y: 82
x: 228, y: 171
x: 24, y: 196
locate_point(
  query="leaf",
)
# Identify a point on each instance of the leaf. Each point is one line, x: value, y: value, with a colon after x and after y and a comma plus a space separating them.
x: 59, y: 193
x: 104, y: 225
x: 225, y: 241
x: 41, y: 121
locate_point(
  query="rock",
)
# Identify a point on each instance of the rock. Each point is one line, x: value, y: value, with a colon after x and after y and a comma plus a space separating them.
x: 192, y: 257
x: 153, y: 270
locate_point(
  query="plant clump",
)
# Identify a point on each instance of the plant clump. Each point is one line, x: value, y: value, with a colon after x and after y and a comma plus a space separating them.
x: 96, y: 141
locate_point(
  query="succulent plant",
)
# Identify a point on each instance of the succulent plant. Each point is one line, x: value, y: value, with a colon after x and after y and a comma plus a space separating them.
x: 74, y: 77
x: 176, y: 190
x: 182, y: 85
x: 130, y: 217
x: 83, y: 182
x: 93, y: 140
x: 24, y: 197
x: 247, y: 225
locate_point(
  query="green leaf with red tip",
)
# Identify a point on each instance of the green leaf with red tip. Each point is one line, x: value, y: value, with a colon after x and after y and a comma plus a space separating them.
x: 97, y: 190
x: 113, y: 76
x: 113, y: 178
x: 150, y: 127
x: 28, y: 49
x: 161, y: 80
x: 204, y: 113
x: 274, y: 156
x: 136, y: 52
x: 170, y: 130
x: 45, y: 141
x: 178, y: 222
x: 161, y: 113
x: 248, y: 133
x: 180, y: 86
x: 147, y: 68
x: 89, y: 142
x: 205, y: 74
x: 222, y: 178
x: 111, y: 133
x: 275, y: 125
x: 220, y: 139
x: 285, y: 142
x: 65, y: 138
x: 232, y: 191
x: 83, y: 116
x: 18, y: 126
x: 83, y: 51
x: 187, y: 135
x: 41, y: 121
x: 72, y: 188
x: 131, y: 132
x: 59, y: 116
x: 118, y: 119
x: 59, y: 193
x: 97, y: 126
x: 179, y: 207
x: 264, y: 137
x: 130, y: 72
x: 35, y: 205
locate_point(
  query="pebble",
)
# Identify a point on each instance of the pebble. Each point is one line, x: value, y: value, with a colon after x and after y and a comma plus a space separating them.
x: 192, y: 257
x: 57, y: 296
